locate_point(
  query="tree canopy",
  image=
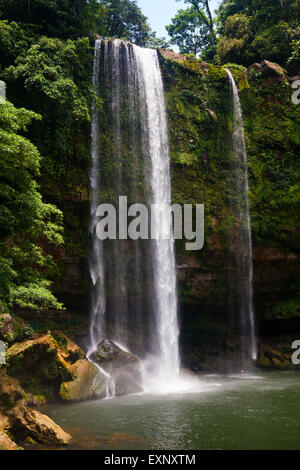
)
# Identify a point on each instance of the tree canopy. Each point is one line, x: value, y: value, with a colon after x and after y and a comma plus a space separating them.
x: 124, y: 19
x: 189, y: 32
x: 25, y: 219
x: 252, y: 30
x: 54, y: 18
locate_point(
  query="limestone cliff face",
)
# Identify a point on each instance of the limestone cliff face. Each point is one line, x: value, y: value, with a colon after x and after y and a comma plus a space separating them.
x: 198, y: 105
x: 198, y: 102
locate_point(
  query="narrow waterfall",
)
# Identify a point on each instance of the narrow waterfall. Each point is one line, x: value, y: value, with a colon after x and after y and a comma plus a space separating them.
x: 243, y: 248
x: 134, y: 300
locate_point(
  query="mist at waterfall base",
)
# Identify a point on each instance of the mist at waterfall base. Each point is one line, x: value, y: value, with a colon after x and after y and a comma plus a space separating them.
x: 238, y: 412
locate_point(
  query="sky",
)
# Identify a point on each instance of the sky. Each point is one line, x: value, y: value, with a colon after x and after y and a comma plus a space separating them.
x: 160, y: 12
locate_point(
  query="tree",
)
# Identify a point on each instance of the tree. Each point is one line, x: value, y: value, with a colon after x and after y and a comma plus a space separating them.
x: 124, y: 19
x: 157, y: 42
x: 203, y: 10
x: 189, y: 32
x: 294, y: 59
x: 270, y: 32
x: 54, y: 18
x: 53, y: 78
x: 235, y: 45
x: 26, y: 222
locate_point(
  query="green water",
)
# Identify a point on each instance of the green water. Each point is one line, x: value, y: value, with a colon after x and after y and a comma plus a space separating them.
x: 236, y: 412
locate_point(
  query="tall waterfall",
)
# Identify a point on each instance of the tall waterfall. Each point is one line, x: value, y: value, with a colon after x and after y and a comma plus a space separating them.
x: 134, y: 300
x: 164, y: 276
x: 244, y: 254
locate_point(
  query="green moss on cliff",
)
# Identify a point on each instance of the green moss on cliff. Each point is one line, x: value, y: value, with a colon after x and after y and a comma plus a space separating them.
x: 199, y: 110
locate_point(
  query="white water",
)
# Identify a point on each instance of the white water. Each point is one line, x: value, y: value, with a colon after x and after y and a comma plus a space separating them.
x: 133, y: 75
x: 96, y: 260
x: 244, y: 250
x: 163, y: 370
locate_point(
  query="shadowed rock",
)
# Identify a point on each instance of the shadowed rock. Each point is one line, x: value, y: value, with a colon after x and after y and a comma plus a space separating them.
x: 268, y: 69
x: 10, y: 391
x: 7, y: 444
x: 25, y: 422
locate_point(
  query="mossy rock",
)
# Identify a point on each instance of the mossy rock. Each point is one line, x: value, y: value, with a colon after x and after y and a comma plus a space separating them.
x: 14, y: 329
x: 87, y: 383
x: 40, y: 365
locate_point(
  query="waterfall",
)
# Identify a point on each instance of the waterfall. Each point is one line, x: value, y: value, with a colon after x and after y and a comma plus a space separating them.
x: 165, y: 297
x: 240, y: 202
x: 96, y: 260
x: 134, y: 299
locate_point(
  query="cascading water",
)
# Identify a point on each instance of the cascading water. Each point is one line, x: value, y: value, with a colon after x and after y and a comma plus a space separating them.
x: 96, y: 260
x: 156, y: 136
x: 131, y: 153
x: 243, y: 248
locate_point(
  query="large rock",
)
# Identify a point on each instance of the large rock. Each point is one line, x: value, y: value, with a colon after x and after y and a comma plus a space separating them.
x: 52, y: 367
x: 268, y: 69
x: 42, y: 356
x: 10, y: 391
x: 122, y: 366
x: 87, y: 383
x: 40, y: 365
x: 6, y: 443
x: 13, y: 329
x: 26, y: 422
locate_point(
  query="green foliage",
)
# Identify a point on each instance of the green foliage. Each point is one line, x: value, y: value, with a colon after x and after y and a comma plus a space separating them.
x: 252, y: 30
x: 189, y: 32
x: 124, y: 19
x: 54, y: 18
x: 14, y: 39
x: 202, y: 7
x: 288, y: 308
x: 35, y: 297
x: 294, y: 59
x: 25, y: 219
x: 48, y: 68
x: 272, y: 126
x: 156, y: 42
x: 273, y: 43
x: 234, y: 45
x: 200, y: 156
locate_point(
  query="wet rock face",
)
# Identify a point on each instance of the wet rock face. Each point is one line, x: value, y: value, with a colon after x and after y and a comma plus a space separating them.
x: 122, y: 366
x: 86, y: 383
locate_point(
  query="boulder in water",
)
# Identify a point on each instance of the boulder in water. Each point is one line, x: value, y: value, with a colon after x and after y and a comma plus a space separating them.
x: 87, y: 383
x: 122, y: 366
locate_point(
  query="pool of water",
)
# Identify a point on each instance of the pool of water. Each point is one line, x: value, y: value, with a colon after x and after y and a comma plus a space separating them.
x: 259, y: 411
